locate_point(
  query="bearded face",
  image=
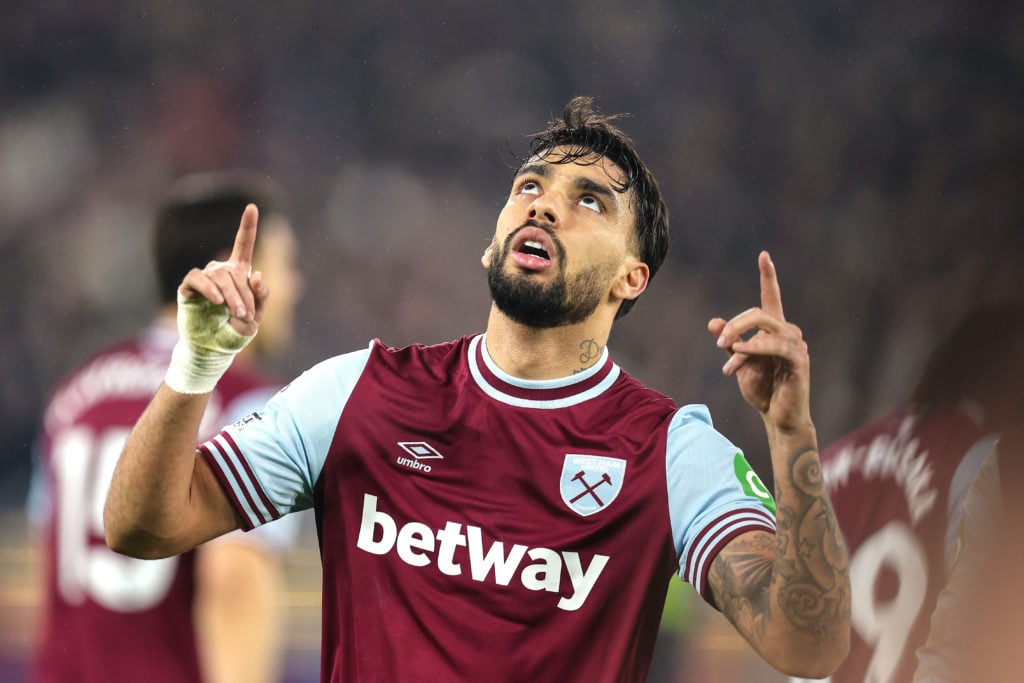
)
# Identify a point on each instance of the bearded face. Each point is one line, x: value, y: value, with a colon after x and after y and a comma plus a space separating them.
x: 528, y: 299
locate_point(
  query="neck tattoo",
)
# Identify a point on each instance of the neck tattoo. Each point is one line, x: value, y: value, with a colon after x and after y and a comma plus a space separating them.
x: 589, y: 350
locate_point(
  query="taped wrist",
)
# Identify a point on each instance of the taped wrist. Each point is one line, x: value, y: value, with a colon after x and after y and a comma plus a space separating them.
x: 206, y: 346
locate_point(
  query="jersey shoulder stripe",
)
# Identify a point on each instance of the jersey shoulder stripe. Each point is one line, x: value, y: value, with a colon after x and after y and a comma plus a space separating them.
x: 242, y: 485
x: 267, y: 465
x: 714, y: 537
x: 710, y: 502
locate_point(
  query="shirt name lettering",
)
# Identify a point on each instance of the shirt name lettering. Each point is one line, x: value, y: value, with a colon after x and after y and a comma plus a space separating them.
x: 900, y: 458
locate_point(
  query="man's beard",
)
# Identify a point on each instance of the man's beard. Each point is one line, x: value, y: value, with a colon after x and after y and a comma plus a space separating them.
x: 528, y: 301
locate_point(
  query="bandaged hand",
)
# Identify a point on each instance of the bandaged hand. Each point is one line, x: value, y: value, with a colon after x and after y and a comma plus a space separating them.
x: 219, y: 309
x: 206, y: 346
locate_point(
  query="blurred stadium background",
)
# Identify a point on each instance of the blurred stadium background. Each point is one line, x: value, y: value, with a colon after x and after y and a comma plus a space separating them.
x: 875, y: 148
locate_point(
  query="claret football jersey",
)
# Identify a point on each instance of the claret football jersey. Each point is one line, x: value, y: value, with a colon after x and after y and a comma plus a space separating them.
x: 474, y: 526
x: 896, y: 484
x: 107, y: 617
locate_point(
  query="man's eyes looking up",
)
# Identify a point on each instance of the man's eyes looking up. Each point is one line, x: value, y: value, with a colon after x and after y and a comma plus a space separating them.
x: 587, y: 201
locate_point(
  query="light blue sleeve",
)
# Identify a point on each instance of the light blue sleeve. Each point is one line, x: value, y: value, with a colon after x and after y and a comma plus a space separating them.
x: 714, y: 495
x: 270, y: 461
x: 248, y: 402
x: 281, y: 534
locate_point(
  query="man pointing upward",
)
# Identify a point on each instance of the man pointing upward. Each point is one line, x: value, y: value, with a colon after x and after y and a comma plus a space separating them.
x: 489, y: 559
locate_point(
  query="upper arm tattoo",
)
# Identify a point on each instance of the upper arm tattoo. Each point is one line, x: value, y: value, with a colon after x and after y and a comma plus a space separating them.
x: 740, y: 579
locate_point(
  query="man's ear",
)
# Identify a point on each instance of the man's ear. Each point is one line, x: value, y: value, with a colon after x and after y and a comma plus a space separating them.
x: 632, y: 283
x: 485, y: 260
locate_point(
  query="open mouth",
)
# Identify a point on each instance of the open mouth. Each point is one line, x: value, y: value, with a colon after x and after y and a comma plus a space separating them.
x: 534, y: 248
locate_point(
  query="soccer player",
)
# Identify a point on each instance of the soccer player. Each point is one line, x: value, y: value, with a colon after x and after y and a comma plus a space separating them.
x: 511, y: 505
x: 208, y: 615
x: 975, y: 627
x: 899, y: 481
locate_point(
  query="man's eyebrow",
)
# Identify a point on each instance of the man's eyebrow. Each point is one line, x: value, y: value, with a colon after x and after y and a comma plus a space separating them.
x: 538, y: 169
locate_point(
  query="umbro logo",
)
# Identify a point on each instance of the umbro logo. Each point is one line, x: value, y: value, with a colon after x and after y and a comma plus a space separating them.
x: 420, y: 451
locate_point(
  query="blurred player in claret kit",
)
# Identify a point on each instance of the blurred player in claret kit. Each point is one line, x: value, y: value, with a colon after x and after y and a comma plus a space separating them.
x: 208, y: 615
x: 511, y: 505
x: 975, y: 629
x: 979, y: 616
x: 899, y: 481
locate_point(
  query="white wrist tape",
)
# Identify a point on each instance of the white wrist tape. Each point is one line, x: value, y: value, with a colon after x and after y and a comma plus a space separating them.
x: 206, y: 346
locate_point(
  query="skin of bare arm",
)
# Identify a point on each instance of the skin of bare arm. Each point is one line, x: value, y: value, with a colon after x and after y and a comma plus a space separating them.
x: 237, y: 612
x: 787, y: 594
x: 164, y: 499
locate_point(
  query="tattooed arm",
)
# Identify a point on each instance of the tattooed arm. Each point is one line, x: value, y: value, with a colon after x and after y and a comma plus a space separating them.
x: 788, y: 594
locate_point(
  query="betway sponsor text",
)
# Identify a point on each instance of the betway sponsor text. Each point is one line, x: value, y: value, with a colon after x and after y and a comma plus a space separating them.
x: 456, y: 544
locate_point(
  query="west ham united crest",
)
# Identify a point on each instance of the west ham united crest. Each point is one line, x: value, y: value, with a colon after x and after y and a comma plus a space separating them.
x: 591, y: 482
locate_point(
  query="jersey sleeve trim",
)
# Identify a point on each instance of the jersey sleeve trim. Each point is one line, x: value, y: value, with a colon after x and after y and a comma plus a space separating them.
x: 715, y: 536
x: 239, y: 481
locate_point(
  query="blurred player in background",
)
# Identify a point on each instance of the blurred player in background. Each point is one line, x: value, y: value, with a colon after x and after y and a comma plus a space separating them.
x: 976, y: 626
x: 209, y: 615
x: 898, y: 485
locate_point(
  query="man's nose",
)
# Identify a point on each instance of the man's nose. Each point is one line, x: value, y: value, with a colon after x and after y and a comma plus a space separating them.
x: 544, y: 209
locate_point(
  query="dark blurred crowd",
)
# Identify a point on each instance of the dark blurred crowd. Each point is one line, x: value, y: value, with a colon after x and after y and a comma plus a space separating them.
x: 875, y: 148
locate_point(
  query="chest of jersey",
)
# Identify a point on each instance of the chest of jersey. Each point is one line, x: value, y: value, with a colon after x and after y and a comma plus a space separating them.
x: 446, y: 480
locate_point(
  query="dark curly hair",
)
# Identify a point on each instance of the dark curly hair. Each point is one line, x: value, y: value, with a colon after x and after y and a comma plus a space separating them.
x: 582, y: 135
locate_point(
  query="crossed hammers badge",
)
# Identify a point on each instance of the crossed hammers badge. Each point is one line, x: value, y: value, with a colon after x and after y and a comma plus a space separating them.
x: 590, y: 483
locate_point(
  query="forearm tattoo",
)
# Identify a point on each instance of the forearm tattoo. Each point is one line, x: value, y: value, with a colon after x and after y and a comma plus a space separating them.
x: 807, y: 583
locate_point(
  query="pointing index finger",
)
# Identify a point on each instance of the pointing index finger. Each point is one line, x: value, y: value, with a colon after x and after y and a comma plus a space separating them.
x: 245, y: 240
x: 771, y: 295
